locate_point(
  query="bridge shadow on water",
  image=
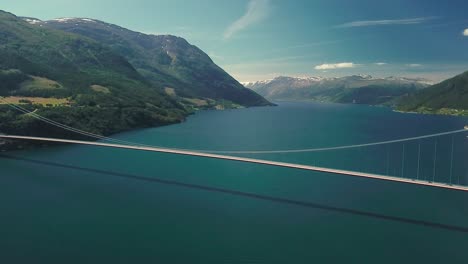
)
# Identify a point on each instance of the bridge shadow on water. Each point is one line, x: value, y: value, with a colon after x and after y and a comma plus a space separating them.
x: 304, y: 204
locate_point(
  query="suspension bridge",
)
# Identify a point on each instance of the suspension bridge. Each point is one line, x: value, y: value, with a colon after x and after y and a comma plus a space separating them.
x: 108, y: 142
x: 246, y: 160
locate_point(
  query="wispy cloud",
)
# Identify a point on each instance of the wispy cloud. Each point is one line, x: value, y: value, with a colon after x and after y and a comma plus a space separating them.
x: 368, y: 23
x: 256, y: 11
x: 465, y: 32
x: 305, y: 45
x: 380, y: 63
x: 266, y: 63
x: 414, y: 65
x: 334, y: 66
x: 215, y: 56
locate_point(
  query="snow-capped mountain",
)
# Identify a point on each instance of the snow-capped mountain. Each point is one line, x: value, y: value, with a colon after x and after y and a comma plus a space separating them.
x: 72, y: 19
x: 296, y: 80
x: 355, y: 88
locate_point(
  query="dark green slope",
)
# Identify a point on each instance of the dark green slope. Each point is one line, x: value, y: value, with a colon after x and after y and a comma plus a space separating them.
x: 67, y: 58
x: 73, y: 65
x: 372, y: 94
x: 165, y: 60
x: 449, y: 94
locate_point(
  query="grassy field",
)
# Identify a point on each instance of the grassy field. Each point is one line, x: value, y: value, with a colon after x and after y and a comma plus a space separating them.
x: 196, y: 102
x: 170, y: 91
x: 100, y: 88
x: 40, y: 83
x: 34, y: 100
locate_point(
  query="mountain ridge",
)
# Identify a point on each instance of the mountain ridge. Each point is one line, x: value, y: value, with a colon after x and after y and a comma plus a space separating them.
x: 165, y: 60
x: 363, y: 89
x: 86, y: 84
x: 447, y: 97
x: 321, y: 78
x: 100, y: 91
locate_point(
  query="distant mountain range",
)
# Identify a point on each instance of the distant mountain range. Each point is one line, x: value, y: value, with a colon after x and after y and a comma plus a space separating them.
x: 360, y: 89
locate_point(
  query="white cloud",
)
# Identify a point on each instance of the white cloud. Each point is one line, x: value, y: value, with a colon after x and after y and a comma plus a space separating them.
x: 256, y: 11
x: 414, y: 65
x: 465, y: 32
x: 367, y: 23
x: 333, y: 66
x: 380, y: 63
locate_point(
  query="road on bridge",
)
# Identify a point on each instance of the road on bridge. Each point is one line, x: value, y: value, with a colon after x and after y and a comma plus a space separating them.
x: 247, y: 160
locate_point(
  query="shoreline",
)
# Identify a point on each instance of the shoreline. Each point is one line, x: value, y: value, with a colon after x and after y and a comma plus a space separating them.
x: 7, y: 145
x: 452, y: 112
x: 12, y: 145
x: 425, y: 111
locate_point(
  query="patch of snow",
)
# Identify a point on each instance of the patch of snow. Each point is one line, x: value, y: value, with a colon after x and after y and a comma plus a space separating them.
x: 247, y: 83
x: 73, y: 19
x: 256, y: 82
x: 366, y: 76
x: 308, y: 80
x: 63, y: 19
x: 32, y: 21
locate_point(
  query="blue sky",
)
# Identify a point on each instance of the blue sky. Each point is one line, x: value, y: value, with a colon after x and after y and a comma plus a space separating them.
x: 261, y: 39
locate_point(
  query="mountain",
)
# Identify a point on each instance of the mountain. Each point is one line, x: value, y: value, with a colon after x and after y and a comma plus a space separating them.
x: 100, y: 85
x: 75, y: 81
x: 361, y: 89
x: 447, y: 97
x: 166, y: 61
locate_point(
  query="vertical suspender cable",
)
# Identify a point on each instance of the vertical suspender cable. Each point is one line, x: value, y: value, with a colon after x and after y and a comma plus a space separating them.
x: 403, y: 162
x: 419, y: 158
x: 435, y: 158
x: 451, y: 162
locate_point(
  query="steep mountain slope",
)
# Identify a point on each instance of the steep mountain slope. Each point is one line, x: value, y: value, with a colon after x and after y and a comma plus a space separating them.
x: 362, y: 89
x: 165, y: 60
x: 103, y: 92
x: 449, y: 94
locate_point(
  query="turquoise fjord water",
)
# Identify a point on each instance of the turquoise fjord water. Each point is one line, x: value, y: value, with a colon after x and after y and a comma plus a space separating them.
x: 81, y: 204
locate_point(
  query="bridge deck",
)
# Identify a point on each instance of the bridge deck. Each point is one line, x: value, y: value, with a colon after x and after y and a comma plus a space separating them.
x: 247, y: 160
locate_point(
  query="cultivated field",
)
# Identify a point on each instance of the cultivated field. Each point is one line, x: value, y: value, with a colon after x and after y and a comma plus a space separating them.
x: 35, y: 100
